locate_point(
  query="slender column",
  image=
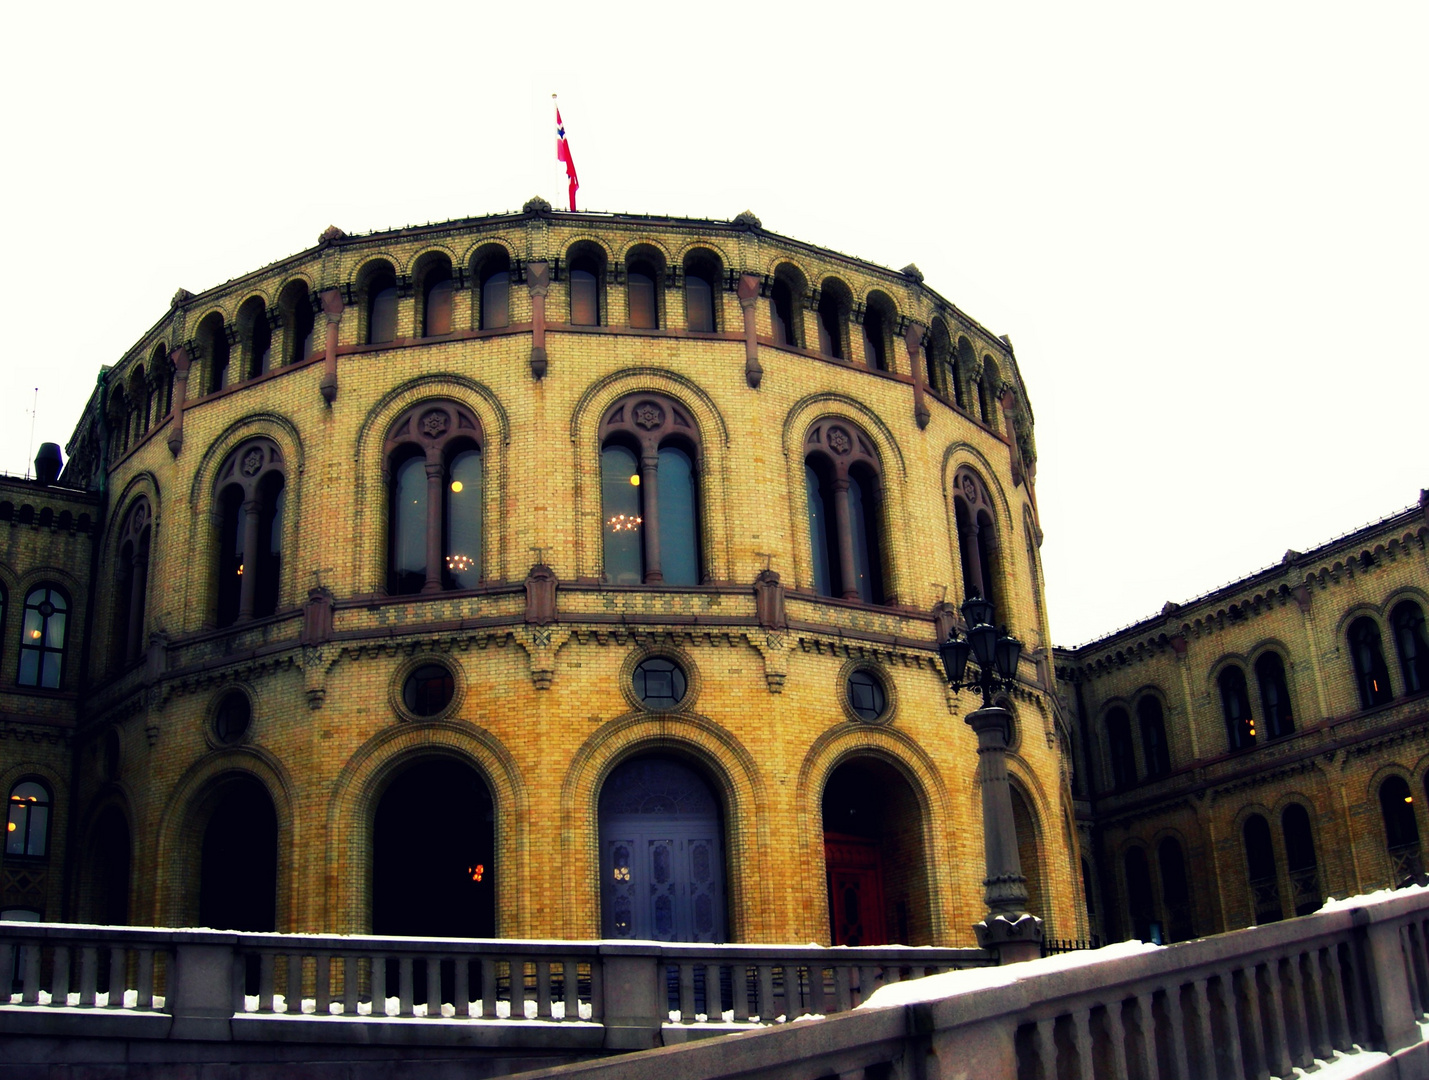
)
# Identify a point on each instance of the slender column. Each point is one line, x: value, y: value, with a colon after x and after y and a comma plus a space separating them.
x: 1116, y: 1035
x: 1148, y: 1037
x: 1176, y: 1016
x: 248, y: 587
x: 1335, y: 1000
x: 434, y: 526
x: 137, y: 584
x: 1278, y: 1051
x: 748, y: 293
x: 973, y: 554
x: 1047, y: 1049
x: 1229, y: 1010
x: 332, y: 311
x: 180, y: 357
x: 1254, y: 1028
x: 843, y: 519
x: 1204, y: 1042
x: 1300, y: 1048
x: 650, y: 512
x: 538, y: 281
x: 1322, y: 1039
x: 1082, y: 1037
x: 913, y: 340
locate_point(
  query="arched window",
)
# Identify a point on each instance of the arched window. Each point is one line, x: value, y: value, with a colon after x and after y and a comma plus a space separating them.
x: 702, y: 276
x: 1300, y: 859
x: 214, y: 347
x: 650, y: 505
x: 1120, y: 748
x: 989, y: 389
x: 1412, y: 645
x: 29, y: 822
x: 642, y: 278
x: 438, y: 292
x: 493, y: 283
x: 845, y: 512
x: 1175, y: 890
x: 379, y: 289
x: 1153, y: 736
x: 250, y: 493
x: 42, y: 637
x: 256, y: 335
x: 1274, y: 695
x: 1401, y: 830
x: 1235, y: 706
x: 781, y: 312
x: 1140, y: 901
x: 964, y: 370
x: 1260, y: 868
x: 437, y: 483
x: 938, y: 356
x: 296, y: 307
x: 132, y: 580
x: 586, y: 274
x: 833, y: 319
x: 1371, y: 674
x: 878, y: 321
x: 974, y: 514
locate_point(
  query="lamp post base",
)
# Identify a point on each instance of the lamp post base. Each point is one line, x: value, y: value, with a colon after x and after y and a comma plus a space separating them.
x: 1014, y: 938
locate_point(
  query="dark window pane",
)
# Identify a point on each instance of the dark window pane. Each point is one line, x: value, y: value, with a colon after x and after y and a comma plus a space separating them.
x: 585, y: 305
x: 260, y: 346
x: 621, y: 513
x: 438, y: 309
x: 462, y: 549
x: 382, y: 316
x: 781, y: 313
x: 660, y: 683
x: 699, y: 303
x: 272, y: 499
x: 867, y: 565
x: 496, y: 300
x: 820, y: 532
x: 866, y: 695
x: 1123, y: 753
x: 1235, y: 705
x: 428, y: 690
x: 302, y: 339
x: 230, y: 554
x: 409, y: 526
x: 1412, y: 645
x: 873, y: 341
x: 831, y: 328
x: 641, y: 290
x: 1370, y: 671
x: 679, y: 518
x: 1274, y: 695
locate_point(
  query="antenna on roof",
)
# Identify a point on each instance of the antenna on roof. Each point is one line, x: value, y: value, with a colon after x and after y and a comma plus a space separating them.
x: 30, y: 453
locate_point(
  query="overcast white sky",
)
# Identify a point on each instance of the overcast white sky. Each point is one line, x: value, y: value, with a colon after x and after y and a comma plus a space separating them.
x: 1203, y: 226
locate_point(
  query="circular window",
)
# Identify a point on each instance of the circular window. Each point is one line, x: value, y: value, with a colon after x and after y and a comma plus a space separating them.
x: 428, y: 690
x: 866, y: 696
x: 232, y: 718
x: 660, y: 683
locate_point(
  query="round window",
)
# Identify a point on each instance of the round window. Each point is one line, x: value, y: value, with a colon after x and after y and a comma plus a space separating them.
x: 232, y: 717
x: 428, y: 690
x: 660, y: 683
x: 866, y: 695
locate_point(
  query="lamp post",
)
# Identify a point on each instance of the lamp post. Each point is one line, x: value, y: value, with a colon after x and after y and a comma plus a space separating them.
x: 1007, y: 928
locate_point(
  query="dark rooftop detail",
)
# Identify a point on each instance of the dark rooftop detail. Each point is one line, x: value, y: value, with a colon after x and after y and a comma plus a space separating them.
x: 536, y: 205
x: 746, y: 219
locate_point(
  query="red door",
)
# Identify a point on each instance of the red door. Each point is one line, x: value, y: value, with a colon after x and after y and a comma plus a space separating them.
x: 855, y: 870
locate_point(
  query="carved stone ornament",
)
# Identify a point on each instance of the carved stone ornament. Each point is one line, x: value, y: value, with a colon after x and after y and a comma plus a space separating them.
x: 141, y: 515
x: 648, y: 415
x: 747, y: 219
x: 839, y: 440
x: 434, y: 424
x: 252, y: 462
x: 180, y: 297
x: 331, y: 233
x: 970, y: 488
x: 536, y: 205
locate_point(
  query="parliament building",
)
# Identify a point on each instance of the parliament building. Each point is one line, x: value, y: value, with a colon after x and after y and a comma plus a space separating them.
x: 547, y: 575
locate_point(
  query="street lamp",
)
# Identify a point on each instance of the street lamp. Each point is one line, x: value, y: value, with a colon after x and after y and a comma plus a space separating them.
x: 1007, y: 928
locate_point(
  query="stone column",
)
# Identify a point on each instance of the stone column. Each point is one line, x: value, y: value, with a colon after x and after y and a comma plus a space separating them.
x: 247, y: 589
x: 137, y: 582
x: 538, y: 281
x: 434, y: 526
x: 180, y: 357
x: 912, y: 341
x: 843, y: 520
x: 650, y: 514
x: 332, y: 310
x: 748, y: 293
x: 1006, y: 928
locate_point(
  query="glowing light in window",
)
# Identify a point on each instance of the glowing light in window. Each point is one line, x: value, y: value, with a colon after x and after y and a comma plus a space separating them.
x: 34, y: 633
x: 477, y: 872
x: 622, y: 873
x: 456, y: 486
x: 624, y: 523
x: 635, y: 479
x: 459, y: 563
x: 240, y: 569
x: 12, y: 827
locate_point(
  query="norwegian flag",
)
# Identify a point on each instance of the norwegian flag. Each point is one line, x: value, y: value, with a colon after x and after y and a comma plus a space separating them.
x: 563, y: 153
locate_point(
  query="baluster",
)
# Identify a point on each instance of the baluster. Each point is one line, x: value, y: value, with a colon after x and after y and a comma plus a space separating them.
x: 462, y: 990
x: 322, y: 984
x: 1082, y: 1040
x: 1116, y: 1031
x: 294, y: 994
x: 892, y: 973
x: 59, y: 982
x: 843, y: 992
x: 351, y: 976
x: 1253, y: 1028
x: 597, y: 992
x: 1299, y: 1013
x: 1319, y: 1039
x: 1230, y: 1011
x: 265, y: 981
x: 433, y: 966
x: 404, y: 987
x: 517, y: 970
x: 543, y: 988
x: 490, y: 973
x: 117, y: 959
x: 1278, y: 1052
x: 1335, y: 999
x: 867, y: 982
x: 714, y: 996
x: 570, y: 982
x: 1205, y: 1042
x: 739, y: 986
x: 1047, y: 1049
x: 1176, y: 1018
x: 1146, y: 1020
x: 379, y: 985
x: 145, y: 989
x: 764, y: 1003
x: 817, y: 1005
x: 687, y: 993
x: 88, y: 977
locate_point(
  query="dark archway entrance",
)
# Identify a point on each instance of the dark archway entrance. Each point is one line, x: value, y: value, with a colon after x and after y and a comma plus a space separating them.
x: 107, y: 895
x: 238, y: 879
x: 434, y: 854
x: 661, y: 853
x: 873, y: 852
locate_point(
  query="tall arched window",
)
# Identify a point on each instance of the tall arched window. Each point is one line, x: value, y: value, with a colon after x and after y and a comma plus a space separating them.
x: 845, y: 511
x: 1371, y: 674
x: 974, y: 515
x: 1274, y: 695
x: 989, y: 388
x: 213, y: 345
x: 702, y: 277
x: 256, y: 334
x: 250, y: 494
x: 878, y: 321
x: 493, y: 283
x: 586, y: 273
x: 1235, y: 706
x: 1401, y: 830
x: 834, y: 305
x: 296, y: 307
x: 964, y: 370
x: 642, y: 287
x: 1412, y: 645
x: 1120, y: 748
x: 938, y: 354
x: 379, y: 289
x: 1140, y: 901
x: 132, y: 580
x: 1300, y: 859
x: 42, y: 637
x: 1260, y: 869
x: 1153, y: 736
x: 782, y: 312
x: 436, y: 480
x: 28, y: 827
x: 1175, y: 890
x: 438, y: 292
x: 650, y: 503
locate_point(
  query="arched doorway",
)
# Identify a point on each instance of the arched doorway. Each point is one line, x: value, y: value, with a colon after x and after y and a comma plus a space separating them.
x: 1300, y: 859
x: 238, y: 876
x: 1401, y: 831
x: 1140, y: 901
x: 873, y: 853
x: 1260, y: 869
x: 434, y: 854
x: 661, y: 853
x: 107, y: 895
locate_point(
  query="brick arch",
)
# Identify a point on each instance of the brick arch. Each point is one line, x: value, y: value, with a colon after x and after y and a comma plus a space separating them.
x: 422, y: 256
x: 469, y: 253
x: 737, y: 781
x: 707, y: 244
x: 714, y: 464
x: 659, y: 247
x: 114, y: 795
x: 179, y: 835
x: 365, y: 776
x: 893, y: 747
x: 369, y: 472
